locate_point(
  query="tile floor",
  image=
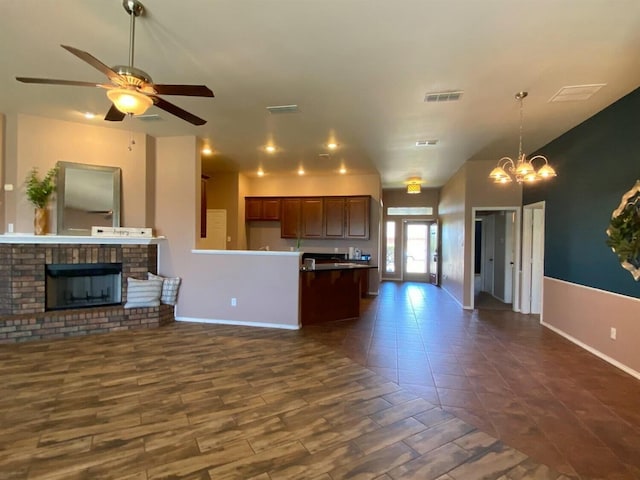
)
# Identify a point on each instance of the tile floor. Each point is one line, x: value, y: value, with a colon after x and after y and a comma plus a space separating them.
x: 501, y: 372
x: 217, y: 402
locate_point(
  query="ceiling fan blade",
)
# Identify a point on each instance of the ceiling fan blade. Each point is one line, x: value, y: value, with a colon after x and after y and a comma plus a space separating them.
x: 177, y: 111
x: 114, y: 115
x: 186, y: 90
x: 93, y: 61
x: 51, y: 81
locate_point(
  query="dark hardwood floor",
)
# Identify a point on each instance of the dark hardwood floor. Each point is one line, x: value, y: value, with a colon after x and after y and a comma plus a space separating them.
x: 503, y: 373
x: 415, y: 389
x: 191, y: 401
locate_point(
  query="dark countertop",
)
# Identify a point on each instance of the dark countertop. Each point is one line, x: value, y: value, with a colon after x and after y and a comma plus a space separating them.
x: 338, y: 266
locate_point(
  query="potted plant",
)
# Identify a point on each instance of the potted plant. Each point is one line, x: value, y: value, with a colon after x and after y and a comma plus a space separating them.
x: 39, y: 193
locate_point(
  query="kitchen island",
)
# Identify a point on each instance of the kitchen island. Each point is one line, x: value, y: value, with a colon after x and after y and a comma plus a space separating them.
x: 331, y: 291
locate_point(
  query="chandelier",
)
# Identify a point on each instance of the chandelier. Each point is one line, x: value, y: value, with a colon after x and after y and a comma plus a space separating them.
x: 522, y: 169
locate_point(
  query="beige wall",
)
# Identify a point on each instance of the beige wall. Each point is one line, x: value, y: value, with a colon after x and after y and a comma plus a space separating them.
x: 263, y: 234
x: 265, y: 286
x: 3, y: 224
x: 398, y: 197
x: 222, y: 192
x: 589, y: 321
x: 482, y: 193
x: 452, y: 229
x: 41, y: 142
x: 470, y: 187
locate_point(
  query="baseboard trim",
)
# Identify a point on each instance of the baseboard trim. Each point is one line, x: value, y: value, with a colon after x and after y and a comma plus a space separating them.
x: 592, y: 350
x: 237, y: 322
x: 454, y: 298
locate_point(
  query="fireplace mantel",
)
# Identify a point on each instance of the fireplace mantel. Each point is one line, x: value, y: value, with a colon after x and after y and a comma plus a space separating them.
x: 81, y: 239
x: 23, y: 264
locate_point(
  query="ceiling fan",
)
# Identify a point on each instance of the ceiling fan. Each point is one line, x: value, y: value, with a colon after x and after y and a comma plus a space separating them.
x: 131, y: 90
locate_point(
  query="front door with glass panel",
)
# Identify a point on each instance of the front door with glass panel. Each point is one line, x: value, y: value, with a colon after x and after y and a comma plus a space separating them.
x: 416, y: 248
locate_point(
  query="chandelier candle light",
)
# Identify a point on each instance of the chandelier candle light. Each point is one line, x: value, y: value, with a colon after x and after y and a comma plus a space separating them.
x: 522, y: 169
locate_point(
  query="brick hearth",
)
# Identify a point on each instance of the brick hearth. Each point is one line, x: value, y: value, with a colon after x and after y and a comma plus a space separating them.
x: 22, y: 291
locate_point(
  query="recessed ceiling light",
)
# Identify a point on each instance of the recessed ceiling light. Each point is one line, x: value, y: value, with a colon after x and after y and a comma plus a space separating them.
x: 301, y: 171
x: 260, y: 172
x: 332, y: 146
x: 270, y: 148
x: 343, y: 170
x: 89, y: 115
x: 207, y: 150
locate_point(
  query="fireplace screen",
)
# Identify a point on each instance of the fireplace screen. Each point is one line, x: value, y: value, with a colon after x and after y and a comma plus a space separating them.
x: 83, y: 285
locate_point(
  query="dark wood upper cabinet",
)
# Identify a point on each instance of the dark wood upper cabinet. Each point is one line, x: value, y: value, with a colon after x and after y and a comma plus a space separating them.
x: 290, y: 217
x: 357, y: 209
x: 271, y: 209
x: 261, y: 208
x: 314, y: 217
x: 311, y: 218
x: 334, y: 221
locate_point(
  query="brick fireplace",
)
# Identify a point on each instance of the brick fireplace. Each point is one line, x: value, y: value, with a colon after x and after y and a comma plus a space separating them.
x: 23, y: 307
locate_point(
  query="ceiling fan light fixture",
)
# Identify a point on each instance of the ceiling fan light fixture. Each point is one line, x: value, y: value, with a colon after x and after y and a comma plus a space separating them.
x: 129, y: 101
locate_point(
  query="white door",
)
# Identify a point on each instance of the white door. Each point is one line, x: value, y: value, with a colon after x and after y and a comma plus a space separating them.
x: 532, y: 258
x: 537, y: 260
x: 509, y: 255
x: 216, y: 229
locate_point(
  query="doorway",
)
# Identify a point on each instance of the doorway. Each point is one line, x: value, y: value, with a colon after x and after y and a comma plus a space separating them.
x: 494, y: 279
x: 415, y: 267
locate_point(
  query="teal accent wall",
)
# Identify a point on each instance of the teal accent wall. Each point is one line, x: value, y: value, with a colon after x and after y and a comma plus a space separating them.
x: 597, y: 162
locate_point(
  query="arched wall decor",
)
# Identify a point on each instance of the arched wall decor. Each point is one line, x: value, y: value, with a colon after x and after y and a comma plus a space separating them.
x: 624, y: 231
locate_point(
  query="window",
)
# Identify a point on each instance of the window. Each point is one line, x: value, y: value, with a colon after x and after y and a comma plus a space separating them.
x: 409, y: 211
x: 390, y: 258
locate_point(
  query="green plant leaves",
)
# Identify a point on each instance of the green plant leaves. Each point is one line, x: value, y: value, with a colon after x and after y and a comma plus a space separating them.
x: 39, y: 191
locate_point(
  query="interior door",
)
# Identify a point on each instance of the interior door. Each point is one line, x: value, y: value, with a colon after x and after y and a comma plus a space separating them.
x: 416, y: 248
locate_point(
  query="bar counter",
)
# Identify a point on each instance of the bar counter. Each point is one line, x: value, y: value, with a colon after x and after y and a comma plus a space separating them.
x: 331, y: 291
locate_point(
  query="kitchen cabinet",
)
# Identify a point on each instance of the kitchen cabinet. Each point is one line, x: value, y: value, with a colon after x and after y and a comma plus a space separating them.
x: 261, y: 208
x: 357, y: 211
x: 334, y: 212
x: 290, y: 217
x: 314, y: 217
x: 311, y: 217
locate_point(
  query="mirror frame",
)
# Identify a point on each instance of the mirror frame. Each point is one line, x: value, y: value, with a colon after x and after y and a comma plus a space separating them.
x: 63, y: 167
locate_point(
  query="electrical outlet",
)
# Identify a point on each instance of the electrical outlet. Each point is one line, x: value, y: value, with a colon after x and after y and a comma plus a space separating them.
x: 614, y: 333
x: 234, y: 302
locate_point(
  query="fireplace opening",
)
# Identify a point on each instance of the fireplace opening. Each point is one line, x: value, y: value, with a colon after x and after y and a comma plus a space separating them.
x: 83, y: 285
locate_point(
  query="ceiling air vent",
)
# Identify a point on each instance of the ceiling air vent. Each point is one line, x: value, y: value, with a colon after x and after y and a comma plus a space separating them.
x: 323, y: 155
x: 152, y: 117
x: 450, y: 96
x: 426, y: 143
x: 278, y: 109
x: 576, y: 93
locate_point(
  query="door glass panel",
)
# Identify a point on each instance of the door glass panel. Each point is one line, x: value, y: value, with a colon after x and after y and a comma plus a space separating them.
x: 390, y: 263
x: 416, y: 254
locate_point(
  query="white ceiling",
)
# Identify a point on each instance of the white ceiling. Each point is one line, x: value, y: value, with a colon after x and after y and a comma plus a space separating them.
x: 358, y: 69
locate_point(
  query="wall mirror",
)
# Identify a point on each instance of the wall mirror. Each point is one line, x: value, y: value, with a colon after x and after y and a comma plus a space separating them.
x: 87, y: 195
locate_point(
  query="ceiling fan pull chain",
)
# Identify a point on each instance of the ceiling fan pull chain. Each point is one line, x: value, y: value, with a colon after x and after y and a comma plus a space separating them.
x: 132, y: 140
